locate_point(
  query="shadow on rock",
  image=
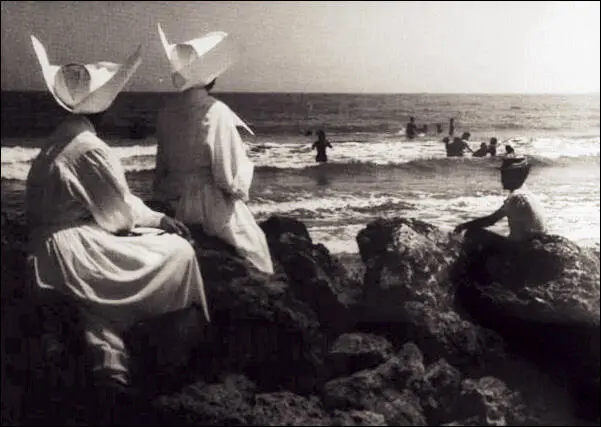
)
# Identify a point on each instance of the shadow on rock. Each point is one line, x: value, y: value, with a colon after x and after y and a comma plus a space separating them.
x: 543, y: 298
x: 316, y: 277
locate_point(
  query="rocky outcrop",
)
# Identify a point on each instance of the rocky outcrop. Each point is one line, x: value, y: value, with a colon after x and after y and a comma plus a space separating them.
x: 406, y: 392
x: 316, y: 278
x: 543, y: 298
x: 353, y: 352
x: 273, y: 328
x: 548, y: 279
x: 407, y: 288
x: 493, y: 402
x: 379, y: 390
x: 310, y: 344
x: 235, y: 401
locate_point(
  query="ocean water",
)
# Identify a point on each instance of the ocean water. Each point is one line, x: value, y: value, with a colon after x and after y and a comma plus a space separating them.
x: 373, y: 170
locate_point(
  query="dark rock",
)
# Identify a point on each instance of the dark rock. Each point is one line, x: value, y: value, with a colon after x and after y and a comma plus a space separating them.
x: 380, y: 390
x: 285, y: 408
x: 356, y: 351
x: 438, y: 390
x: 355, y: 267
x: 269, y: 326
x: 16, y: 271
x: 357, y: 418
x: 444, y: 397
x: 543, y: 298
x: 398, y: 408
x: 223, y: 403
x: 472, y: 421
x: 315, y: 276
x: 235, y: 401
x: 411, y: 360
x: 43, y: 351
x: 548, y: 401
x: 394, y: 373
x: 275, y: 226
x: 547, y: 280
x: 401, y: 409
x: 259, y: 325
x: 492, y: 402
x: 407, y: 288
x: 167, y: 346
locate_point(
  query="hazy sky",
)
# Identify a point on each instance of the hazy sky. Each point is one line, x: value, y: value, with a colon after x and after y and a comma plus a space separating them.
x: 402, y: 47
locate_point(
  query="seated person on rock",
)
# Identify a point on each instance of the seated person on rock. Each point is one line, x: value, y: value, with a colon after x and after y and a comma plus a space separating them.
x: 202, y: 169
x: 523, y: 210
x: 91, y: 240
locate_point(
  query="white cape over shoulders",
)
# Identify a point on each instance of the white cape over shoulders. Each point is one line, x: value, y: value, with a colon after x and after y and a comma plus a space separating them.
x: 121, y: 278
x: 204, y: 172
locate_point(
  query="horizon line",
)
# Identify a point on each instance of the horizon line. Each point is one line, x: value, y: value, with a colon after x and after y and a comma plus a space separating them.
x: 332, y: 93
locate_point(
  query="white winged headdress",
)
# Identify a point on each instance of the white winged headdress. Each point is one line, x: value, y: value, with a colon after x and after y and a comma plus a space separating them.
x: 199, y: 61
x: 85, y: 88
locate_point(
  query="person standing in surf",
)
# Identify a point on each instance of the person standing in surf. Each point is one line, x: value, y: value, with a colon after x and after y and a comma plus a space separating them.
x: 457, y: 147
x: 411, y: 129
x: 203, y: 172
x: 321, y: 145
x: 492, y: 146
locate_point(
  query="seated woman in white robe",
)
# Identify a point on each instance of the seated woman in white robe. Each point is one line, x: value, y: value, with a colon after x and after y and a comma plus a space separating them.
x: 202, y: 169
x: 86, y: 241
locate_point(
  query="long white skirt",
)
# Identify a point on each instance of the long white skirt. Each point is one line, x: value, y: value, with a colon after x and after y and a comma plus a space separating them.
x: 226, y: 218
x: 119, y: 281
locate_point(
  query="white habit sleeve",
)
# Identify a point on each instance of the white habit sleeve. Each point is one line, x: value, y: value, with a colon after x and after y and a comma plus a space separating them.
x: 99, y: 182
x: 232, y: 169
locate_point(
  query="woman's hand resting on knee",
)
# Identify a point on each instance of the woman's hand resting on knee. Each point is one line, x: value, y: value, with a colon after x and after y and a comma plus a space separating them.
x: 172, y: 225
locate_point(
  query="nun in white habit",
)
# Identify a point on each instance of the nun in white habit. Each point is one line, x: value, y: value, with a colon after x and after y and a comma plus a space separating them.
x: 202, y: 168
x: 91, y: 238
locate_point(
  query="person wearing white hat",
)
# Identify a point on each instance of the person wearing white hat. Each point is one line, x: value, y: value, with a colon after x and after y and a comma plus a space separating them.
x: 202, y: 170
x: 522, y: 208
x: 91, y: 239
